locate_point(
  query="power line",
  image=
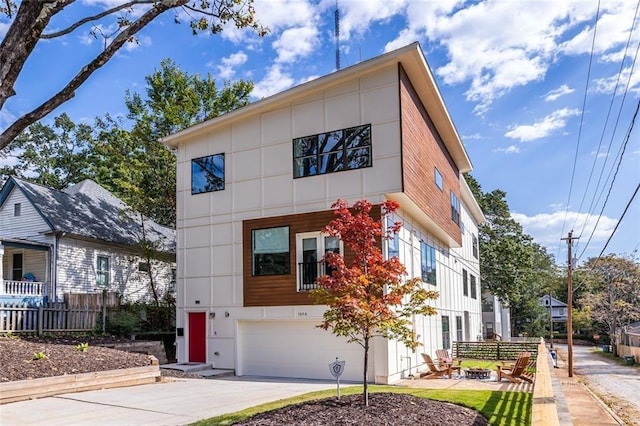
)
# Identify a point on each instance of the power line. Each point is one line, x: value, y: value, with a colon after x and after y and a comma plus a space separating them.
x: 620, y: 220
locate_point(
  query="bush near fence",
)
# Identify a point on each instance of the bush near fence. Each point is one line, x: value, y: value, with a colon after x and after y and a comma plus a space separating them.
x: 494, y: 350
x: 50, y: 317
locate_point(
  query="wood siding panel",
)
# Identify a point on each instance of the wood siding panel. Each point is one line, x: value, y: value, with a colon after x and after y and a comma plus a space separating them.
x: 422, y: 151
x: 281, y: 290
x: 29, y: 225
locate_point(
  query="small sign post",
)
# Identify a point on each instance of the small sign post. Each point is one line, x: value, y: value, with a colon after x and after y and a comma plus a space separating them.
x: 336, y: 369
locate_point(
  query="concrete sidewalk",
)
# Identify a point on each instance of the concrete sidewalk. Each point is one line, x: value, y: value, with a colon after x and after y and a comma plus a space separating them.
x: 175, y: 402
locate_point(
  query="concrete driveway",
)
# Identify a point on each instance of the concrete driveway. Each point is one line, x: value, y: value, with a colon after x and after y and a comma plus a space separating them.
x: 178, y: 402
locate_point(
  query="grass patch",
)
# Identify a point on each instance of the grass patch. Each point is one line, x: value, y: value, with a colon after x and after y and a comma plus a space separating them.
x: 480, y: 363
x: 500, y: 408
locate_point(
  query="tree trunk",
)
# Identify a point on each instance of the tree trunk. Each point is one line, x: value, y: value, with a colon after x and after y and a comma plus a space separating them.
x: 365, y: 393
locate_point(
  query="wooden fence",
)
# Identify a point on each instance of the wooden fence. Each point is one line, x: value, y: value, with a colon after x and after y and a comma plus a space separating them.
x: 494, y: 350
x: 92, y: 300
x: 54, y: 317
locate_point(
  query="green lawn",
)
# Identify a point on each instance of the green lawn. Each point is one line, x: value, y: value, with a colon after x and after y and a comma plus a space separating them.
x: 500, y: 408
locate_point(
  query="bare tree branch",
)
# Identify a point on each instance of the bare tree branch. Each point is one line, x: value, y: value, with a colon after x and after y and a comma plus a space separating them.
x: 95, y: 18
x: 68, y: 91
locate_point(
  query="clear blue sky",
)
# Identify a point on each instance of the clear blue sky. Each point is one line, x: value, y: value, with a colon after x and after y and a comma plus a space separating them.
x: 513, y: 75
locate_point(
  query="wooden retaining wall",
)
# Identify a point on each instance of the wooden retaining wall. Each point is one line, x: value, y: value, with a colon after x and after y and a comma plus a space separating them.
x: 494, y: 350
x: 22, y: 390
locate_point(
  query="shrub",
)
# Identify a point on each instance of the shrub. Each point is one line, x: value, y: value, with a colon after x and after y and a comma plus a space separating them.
x: 122, y: 323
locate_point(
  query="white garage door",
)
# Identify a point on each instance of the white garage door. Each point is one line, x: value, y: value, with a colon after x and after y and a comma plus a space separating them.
x: 296, y: 349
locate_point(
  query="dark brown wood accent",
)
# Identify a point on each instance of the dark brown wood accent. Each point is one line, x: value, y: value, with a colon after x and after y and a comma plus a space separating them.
x: 422, y: 151
x: 281, y: 290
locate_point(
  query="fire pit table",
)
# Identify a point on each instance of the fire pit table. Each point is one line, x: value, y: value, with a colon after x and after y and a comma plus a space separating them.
x: 477, y: 373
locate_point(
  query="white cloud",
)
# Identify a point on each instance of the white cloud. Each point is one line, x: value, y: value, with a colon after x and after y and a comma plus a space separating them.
x: 608, y: 84
x: 556, y: 93
x: 295, y: 43
x: 601, y: 154
x: 274, y: 82
x: 227, y: 66
x: 475, y: 136
x: 546, y: 228
x: 543, y: 128
x: 511, y: 149
x: 6, y: 118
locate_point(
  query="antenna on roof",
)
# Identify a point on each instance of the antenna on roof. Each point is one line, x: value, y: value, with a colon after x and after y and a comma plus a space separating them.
x: 337, y: 24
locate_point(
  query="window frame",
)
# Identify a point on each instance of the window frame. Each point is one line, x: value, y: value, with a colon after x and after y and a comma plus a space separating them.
x: 455, y: 208
x: 473, y: 285
x: 203, y: 169
x: 287, y: 258
x: 106, y: 273
x: 317, y: 156
x: 321, y: 247
x: 438, y: 179
x: 393, y: 243
x: 17, y: 209
x: 465, y: 283
x: 459, y: 329
x: 446, y: 334
x: 15, y: 269
x: 474, y: 246
x: 428, y: 264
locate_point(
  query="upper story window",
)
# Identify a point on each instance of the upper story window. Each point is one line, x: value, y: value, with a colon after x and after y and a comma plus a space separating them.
x: 17, y: 209
x: 487, y: 304
x: 346, y: 149
x: 143, y: 266
x: 393, y: 244
x: 473, y: 287
x: 270, y: 251
x: 474, y: 245
x: 428, y: 263
x: 438, y: 179
x: 465, y: 283
x: 311, y: 247
x: 455, y: 208
x: 207, y: 174
x: 102, y: 271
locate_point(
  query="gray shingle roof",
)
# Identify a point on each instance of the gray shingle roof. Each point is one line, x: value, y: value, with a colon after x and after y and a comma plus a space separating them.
x: 88, y: 210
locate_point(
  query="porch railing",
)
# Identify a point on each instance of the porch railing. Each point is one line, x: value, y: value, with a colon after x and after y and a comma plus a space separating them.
x: 24, y: 288
x: 308, y: 273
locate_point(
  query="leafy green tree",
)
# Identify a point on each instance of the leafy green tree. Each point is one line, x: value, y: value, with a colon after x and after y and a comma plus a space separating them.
x: 133, y: 163
x: 368, y: 296
x: 614, y: 299
x: 51, y: 155
x: 30, y: 24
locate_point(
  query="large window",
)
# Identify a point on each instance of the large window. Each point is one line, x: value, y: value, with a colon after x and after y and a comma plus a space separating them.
x: 465, y: 282
x: 311, y: 248
x: 455, y: 208
x: 270, y: 251
x: 393, y: 244
x: 428, y: 263
x: 446, y: 337
x: 334, y: 151
x: 102, y: 271
x: 207, y: 174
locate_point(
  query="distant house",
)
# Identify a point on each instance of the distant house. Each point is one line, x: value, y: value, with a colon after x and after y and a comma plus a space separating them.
x: 557, y: 308
x: 82, y: 239
x: 255, y: 188
x: 496, y: 318
x: 630, y: 335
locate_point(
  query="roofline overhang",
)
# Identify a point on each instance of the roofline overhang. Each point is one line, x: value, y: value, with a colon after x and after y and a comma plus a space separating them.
x: 415, y: 65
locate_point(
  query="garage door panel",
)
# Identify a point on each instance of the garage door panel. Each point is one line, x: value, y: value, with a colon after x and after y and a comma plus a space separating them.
x: 296, y: 349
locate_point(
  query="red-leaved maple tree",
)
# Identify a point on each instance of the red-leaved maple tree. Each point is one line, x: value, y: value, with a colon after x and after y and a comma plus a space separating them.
x: 370, y: 296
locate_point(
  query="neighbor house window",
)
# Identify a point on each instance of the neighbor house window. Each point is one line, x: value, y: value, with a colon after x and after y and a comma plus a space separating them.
x: 207, y: 174
x: 17, y: 209
x: 446, y: 338
x: 311, y: 249
x: 330, y: 152
x: 465, y: 283
x: 143, y: 266
x: 438, y: 179
x: 459, y: 329
x: 102, y: 271
x: 428, y: 263
x: 16, y: 267
x: 473, y: 287
x: 455, y: 208
x: 270, y: 251
x: 393, y: 244
x: 474, y: 245
x: 487, y: 303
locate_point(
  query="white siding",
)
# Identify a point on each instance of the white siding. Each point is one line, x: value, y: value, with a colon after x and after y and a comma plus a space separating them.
x: 29, y: 225
x: 77, y: 270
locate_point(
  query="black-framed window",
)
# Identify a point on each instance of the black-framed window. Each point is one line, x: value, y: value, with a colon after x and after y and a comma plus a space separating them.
x: 455, y: 208
x: 474, y: 245
x: 438, y: 178
x: 270, y: 251
x: 473, y: 287
x: 446, y: 337
x: 207, y: 174
x: 334, y: 151
x: 393, y: 243
x: 465, y: 283
x: 428, y: 263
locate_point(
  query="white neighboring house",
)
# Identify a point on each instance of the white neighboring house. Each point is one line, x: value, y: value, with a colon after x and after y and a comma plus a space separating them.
x: 254, y: 189
x: 496, y: 319
x: 557, y: 308
x: 82, y: 239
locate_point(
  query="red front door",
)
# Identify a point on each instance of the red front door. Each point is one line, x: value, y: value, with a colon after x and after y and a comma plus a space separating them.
x: 197, y: 337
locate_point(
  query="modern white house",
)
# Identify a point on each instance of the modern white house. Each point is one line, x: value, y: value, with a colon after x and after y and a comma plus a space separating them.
x: 82, y: 239
x: 496, y: 318
x: 254, y: 189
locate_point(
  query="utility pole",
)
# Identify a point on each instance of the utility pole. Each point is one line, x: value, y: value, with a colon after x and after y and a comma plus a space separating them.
x: 569, y: 240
